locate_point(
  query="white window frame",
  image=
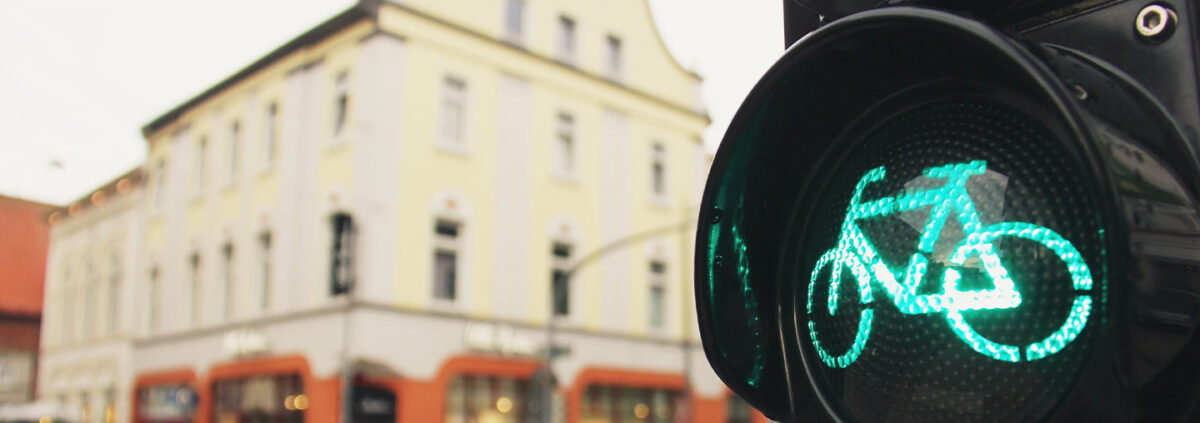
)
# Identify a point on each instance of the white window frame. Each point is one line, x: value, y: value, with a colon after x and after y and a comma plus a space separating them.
x: 233, y: 158
x: 200, y: 163
x: 340, y: 114
x: 153, y: 311
x: 114, y: 292
x: 160, y: 185
x: 657, y: 280
x: 270, y: 135
x: 563, y: 264
x: 566, y: 148
x: 566, y: 40
x: 228, y: 279
x: 195, y: 264
x: 614, y: 60
x: 514, y: 8
x: 659, y: 182
x: 454, y: 111
x: 265, y: 243
x: 447, y: 244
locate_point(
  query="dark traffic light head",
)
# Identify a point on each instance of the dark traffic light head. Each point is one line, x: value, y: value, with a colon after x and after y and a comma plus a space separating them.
x: 920, y: 216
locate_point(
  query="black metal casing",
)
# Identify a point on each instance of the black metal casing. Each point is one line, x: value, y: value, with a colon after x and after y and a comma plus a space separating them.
x: 1119, y: 98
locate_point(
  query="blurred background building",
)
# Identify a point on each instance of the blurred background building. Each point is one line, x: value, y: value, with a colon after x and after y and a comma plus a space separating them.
x: 86, y: 346
x: 22, y: 270
x: 385, y: 213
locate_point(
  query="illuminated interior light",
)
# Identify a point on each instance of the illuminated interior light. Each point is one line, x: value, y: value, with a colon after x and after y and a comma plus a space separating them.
x: 504, y: 405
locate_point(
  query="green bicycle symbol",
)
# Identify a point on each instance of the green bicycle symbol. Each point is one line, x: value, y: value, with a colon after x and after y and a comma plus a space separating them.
x: 855, y: 251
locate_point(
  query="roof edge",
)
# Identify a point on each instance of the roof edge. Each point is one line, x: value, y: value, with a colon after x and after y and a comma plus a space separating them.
x: 363, y: 9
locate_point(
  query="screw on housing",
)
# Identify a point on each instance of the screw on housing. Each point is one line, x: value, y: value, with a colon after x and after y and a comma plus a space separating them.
x: 1156, y: 22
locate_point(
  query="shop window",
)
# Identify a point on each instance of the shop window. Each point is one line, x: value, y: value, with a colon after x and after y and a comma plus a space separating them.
x: 737, y: 410
x: 277, y: 398
x: 342, y: 256
x: 445, y: 259
x: 166, y: 404
x: 560, y: 278
x: 486, y: 399
x: 612, y: 404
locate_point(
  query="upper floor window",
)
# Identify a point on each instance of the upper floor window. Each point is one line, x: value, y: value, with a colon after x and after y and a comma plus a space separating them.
x: 560, y: 278
x: 565, y: 145
x: 446, y: 251
x: 201, y: 165
x: 152, y: 311
x: 658, y: 294
x: 566, y: 39
x: 658, y: 171
x: 114, y: 291
x: 270, y: 133
x: 227, y: 275
x: 264, y: 269
x: 342, y: 255
x: 613, y: 58
x: 454, y: 112
x: 514, y: 20
x: 89, y: 301
x: 341, y: 102
x: 160, y: 182
x: 196, y: 287
x: 235, y: 145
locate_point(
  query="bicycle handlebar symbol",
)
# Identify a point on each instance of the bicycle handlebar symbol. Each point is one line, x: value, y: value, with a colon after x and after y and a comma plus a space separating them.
x: 856, y: 252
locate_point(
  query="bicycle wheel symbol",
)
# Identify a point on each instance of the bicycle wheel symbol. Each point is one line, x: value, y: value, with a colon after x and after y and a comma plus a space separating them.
x: 856, y: 253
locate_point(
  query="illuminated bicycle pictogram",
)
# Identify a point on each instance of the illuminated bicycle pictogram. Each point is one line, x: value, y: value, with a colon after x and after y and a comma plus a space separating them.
x: 856, y: 252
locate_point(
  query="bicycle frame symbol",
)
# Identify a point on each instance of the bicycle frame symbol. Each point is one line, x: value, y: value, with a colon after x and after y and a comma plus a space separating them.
x: 856, y: 252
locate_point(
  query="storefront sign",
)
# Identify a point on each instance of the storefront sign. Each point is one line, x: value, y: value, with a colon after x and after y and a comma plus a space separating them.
x: 245, y: 342
x: 499, y: 338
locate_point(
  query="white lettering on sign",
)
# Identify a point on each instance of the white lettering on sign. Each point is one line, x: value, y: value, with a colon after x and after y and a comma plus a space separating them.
x: 245, y: 342
x: 500, y: 338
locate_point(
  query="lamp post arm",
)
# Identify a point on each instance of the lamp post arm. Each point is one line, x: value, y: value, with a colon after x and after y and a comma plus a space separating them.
x: 623, y: 242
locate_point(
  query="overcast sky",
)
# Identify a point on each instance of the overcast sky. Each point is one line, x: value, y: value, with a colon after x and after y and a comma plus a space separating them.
x: 80, y: 78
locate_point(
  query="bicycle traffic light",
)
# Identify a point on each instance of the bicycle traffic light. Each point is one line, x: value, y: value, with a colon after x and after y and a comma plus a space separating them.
x: 962, y: 211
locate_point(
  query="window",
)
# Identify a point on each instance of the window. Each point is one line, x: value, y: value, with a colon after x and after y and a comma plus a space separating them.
x: 658, y: 295
x: 627, y: 404
x: 227, y: 274
x: 264, y: 269
x: 160, y: 183
x: 201, y: 165
x: 454, y: 111
x: 152, y: 301
x: 194, y: 279
x: 472, y: 398
x: 565, y: 145
x: 341, y: 102
x: 89, y: 302
x: 560, y: 278
x: 614, y: 57
x: 270, y: 134
x: 342, y: 256
x: 658, y: 172
x: 68, y: 311
x: 566, y: 39
x: 445, y: 259
x: 114, y: 292
x: 235, y: 143
x: 514, y: 20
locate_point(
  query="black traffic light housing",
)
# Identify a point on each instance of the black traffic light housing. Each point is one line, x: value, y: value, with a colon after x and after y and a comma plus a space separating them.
x: 1113, y: 108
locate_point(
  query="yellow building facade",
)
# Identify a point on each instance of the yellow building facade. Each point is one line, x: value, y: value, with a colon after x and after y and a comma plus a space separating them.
x: 388, y: 205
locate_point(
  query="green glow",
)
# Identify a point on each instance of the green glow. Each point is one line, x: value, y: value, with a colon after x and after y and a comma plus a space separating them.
x: 855, y: 252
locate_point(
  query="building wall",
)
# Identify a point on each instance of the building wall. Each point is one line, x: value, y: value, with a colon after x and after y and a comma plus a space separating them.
x: 86, y: 352
x: 393, y: 173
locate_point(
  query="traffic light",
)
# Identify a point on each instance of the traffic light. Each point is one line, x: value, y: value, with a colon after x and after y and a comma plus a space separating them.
x: 962, y: 211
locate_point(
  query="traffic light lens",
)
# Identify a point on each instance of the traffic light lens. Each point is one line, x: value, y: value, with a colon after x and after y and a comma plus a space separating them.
x: 952, y: 261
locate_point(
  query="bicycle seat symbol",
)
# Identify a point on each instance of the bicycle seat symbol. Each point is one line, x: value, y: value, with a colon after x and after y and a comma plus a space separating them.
x: 856, y: 252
